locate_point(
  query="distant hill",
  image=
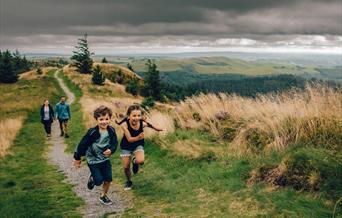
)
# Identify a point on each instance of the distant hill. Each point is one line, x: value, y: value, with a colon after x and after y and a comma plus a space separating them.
x: 232, y: 66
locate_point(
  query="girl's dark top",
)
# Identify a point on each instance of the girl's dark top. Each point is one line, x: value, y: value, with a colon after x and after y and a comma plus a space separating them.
x: 51, y: 112
x: 131, y: 146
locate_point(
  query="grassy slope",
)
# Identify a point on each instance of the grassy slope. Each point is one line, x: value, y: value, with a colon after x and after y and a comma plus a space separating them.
x: 176, y: 186
x: 222, y: 65
x: 172, y: 185
x: 29, y: 186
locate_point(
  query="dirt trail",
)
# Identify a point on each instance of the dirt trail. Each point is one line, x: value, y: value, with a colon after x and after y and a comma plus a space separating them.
x: 78, y: 178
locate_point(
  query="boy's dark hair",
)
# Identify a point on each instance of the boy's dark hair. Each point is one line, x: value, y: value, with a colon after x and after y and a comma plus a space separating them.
x: 102, y: 111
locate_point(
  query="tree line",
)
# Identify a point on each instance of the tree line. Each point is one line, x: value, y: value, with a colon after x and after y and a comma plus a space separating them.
x: 11, y: 65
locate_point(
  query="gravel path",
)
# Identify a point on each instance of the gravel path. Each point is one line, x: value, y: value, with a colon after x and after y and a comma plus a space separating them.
x: 79, y: 177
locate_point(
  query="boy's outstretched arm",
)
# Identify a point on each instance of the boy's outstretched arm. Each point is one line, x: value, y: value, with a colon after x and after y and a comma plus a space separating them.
x: 82, y: 148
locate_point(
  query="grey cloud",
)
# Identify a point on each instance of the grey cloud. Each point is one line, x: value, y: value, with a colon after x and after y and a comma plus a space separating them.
x: 40, y: 23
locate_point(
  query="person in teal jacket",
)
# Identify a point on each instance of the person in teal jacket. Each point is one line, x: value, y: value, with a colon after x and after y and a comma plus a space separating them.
x: 63, y: 115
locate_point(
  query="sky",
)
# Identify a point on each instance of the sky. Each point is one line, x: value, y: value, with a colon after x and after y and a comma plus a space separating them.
x: 164, y: 26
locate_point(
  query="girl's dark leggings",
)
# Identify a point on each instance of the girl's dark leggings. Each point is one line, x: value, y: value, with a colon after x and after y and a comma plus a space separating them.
x: 47, y: 126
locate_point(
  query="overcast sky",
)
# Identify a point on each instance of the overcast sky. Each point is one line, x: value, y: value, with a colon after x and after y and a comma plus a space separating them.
x: 164, y: 26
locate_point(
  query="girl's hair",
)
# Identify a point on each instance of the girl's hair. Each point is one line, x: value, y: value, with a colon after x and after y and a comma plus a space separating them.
x: 129, y: 111
x: 132, y: 108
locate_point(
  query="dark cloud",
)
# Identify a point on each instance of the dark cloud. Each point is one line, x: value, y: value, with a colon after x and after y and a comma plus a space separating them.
x: 38, y: 21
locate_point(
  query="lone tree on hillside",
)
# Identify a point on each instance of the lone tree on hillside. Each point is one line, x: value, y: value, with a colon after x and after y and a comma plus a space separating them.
x: 152, y: 83
x: 104, y: 60
x: 130, y: 67
x: 39, y: 71
x: 7, y: 68
x: 133, y: 86
x: 81, y: 58
x: 98, y: 78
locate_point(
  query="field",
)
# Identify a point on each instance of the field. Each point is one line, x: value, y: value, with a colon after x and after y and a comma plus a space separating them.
x: 29, y: 186
x: 240, y: 163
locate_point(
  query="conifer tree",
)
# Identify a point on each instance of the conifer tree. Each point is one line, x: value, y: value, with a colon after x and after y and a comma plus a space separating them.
x: 98, y: 78
x: 81, y: 58
x: 7, y: 70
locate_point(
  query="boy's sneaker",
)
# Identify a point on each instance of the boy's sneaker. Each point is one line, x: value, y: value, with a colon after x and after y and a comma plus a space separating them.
x: 90, y: 183
x: 105, y: 200
x: 66, y: 135
x: 135, y: 167
x: 128, y: 185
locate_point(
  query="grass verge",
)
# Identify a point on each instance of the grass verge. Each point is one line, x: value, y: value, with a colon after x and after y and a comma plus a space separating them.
x: 29, y: 186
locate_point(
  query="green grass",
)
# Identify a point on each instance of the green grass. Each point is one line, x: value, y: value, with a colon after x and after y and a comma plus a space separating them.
x: 29, y: 186
x: 25, y: 95
x: 172, y: 185
x: 76, y: 126
x: 175, y: 186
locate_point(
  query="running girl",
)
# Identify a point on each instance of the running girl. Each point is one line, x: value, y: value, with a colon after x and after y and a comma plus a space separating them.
x: 133, y: 142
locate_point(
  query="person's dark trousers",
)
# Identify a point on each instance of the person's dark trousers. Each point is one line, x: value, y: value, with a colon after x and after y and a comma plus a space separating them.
x: 47, y: 126
x: 61, y: 125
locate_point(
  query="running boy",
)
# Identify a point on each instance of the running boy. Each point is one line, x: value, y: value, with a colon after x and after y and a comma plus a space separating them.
x: 133, y: 142
x: 97, y: 145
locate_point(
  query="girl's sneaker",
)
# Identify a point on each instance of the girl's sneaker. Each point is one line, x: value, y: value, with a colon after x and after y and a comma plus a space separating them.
x: 105, y: 200
x: 128, y: 185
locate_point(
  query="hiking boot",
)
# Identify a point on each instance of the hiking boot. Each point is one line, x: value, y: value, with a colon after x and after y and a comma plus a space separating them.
x: 66, y: 135
x: 135, y: 166
x: 90, y: 183
x: 62, y: 134
x: 105, y: 200
x: 128, y: 185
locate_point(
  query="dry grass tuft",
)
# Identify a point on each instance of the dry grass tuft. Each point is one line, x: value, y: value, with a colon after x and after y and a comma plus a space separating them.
x: 85, y: 83
x: 32, y: 74
x: 9, y: 128
x: 108, y: 68
x: 273, y: 121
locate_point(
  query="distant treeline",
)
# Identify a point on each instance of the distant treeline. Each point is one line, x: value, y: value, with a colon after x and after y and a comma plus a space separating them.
x: 237, y: 84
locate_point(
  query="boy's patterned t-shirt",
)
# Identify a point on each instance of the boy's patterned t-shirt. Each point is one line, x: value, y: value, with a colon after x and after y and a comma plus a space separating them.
x: 94, y: 153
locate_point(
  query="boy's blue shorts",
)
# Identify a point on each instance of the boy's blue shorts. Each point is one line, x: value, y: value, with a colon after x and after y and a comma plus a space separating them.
x: 101, y: 172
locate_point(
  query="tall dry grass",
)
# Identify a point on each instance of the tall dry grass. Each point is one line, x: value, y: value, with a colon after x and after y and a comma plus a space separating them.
x: 32, y: 74
x: 273, y: 120
x: 119, y: 107
x: 84, y: 81
x: 9, y: 128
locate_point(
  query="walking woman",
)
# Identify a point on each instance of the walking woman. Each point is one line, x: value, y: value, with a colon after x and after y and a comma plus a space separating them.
x: 47, y: 115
